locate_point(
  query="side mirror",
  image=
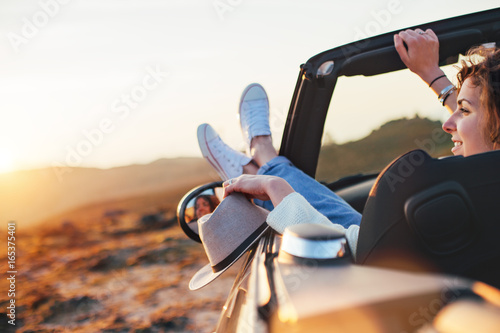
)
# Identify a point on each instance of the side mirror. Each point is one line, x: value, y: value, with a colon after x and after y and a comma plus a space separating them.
x: 199, y: 201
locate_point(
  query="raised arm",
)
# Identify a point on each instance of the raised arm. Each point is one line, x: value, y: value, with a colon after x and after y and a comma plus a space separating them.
x: 422, y: 58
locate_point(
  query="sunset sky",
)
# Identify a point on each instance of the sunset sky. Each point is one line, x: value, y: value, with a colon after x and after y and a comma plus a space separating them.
x: 129, y: 81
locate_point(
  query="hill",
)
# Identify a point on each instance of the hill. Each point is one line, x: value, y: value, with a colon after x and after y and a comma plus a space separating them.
x: 109, y: 276
x: 96, y: 265
x: 32, y: 196
x: 375, y: 151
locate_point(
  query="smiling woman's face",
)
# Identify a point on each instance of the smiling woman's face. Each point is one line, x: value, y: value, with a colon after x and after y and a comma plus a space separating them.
x: 466, y: 124
x: 202, y: 207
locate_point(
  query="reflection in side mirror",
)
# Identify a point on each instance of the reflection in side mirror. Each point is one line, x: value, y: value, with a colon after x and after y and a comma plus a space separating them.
x: 196, y: 203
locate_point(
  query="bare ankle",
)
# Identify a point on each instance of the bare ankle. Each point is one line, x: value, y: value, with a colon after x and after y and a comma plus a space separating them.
x: 261, y: 140
x: 250, y: 168
x: 262, y: 149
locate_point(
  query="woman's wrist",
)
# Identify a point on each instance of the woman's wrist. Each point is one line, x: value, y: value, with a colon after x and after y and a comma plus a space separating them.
x: 437, y: 78
x: 441, y: 85
x: 277, y: 189
x: 429, y: 76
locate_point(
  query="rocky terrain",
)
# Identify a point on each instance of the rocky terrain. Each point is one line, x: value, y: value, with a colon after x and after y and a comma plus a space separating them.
x: 116, y: 273
x: 101, y: 251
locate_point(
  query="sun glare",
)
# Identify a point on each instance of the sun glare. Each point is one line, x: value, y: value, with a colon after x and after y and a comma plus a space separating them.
x: 6, y: 162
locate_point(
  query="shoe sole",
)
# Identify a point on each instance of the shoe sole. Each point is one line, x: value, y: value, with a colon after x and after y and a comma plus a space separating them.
x: 207, y: 153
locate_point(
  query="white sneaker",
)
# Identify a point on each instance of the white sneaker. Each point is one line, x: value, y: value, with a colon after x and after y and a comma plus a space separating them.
x: 226, y: 161
x: 254, y: 113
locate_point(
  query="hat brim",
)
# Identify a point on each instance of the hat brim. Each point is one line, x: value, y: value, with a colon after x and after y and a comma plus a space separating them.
x: 206, y: 275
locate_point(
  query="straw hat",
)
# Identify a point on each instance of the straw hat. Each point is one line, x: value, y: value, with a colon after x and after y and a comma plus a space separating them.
x: 234, y: 226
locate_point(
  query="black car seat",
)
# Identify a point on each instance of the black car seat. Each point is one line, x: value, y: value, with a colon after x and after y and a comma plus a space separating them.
x: 441, y: 215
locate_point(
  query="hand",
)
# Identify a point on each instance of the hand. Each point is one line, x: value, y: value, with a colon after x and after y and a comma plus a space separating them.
x: 259, y: 187
x: 422, y: 56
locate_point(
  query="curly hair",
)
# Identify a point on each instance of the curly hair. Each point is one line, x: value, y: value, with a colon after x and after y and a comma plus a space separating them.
x: 212, y: 201
x: 483, y: 68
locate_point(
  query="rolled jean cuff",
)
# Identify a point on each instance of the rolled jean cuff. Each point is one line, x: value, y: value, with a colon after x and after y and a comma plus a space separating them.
x: 319, y: 196
x: 266, y: 168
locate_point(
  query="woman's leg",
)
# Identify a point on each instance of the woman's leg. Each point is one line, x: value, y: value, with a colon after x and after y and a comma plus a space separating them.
x: 254, y: 118
x: 262, y: 149
x: 230, y: 163
x: 319, y: 196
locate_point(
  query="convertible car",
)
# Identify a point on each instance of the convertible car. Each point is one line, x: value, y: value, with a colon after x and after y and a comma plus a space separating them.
x: 428, y: 256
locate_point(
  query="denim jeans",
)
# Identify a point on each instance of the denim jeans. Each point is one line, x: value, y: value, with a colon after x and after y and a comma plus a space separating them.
x: 319, y: 196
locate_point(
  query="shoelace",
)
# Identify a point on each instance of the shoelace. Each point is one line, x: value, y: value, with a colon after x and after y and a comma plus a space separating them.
x: 223, y: 152
x: 256, y: 114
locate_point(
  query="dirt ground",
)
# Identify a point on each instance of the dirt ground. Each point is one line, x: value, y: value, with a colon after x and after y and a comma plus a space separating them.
x: 111, y: 276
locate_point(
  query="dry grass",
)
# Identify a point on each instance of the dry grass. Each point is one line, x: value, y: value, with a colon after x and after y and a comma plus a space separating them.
x: 93, y: 273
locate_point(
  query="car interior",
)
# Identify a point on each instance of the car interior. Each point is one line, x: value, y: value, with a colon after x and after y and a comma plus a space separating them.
x: 441, y: 213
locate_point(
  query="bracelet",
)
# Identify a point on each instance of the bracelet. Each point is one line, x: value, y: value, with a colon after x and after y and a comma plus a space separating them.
x: 445, y: 97
x: 445, y: 93
x: 430, y: 85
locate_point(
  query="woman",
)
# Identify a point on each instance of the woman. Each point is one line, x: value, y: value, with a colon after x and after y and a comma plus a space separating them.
x: 203, y: 205
x: 474, y: 125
